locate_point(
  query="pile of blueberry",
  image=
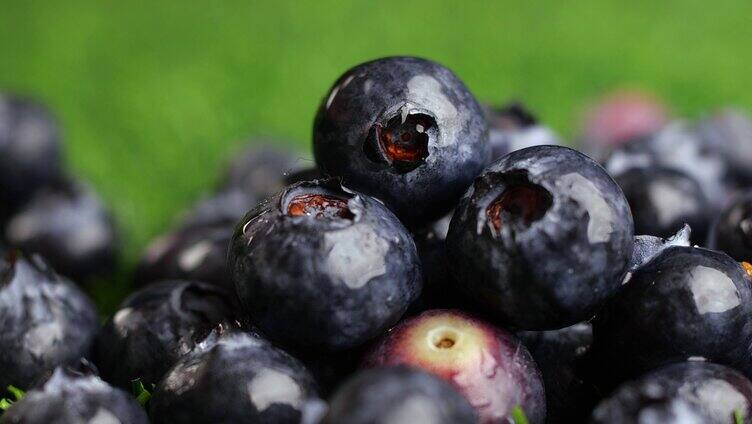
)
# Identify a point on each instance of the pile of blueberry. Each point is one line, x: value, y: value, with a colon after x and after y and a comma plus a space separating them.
x: 443, y: 262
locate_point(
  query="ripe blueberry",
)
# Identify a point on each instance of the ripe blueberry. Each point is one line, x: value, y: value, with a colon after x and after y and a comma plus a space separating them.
x: 68, y: 225
x: 238, y: 378
x: 398, y: 395
x: 72, y: 398
x: 732, y: 231
x: 541, y: 239
x: 678, y: 146
x: 157, y: 325
x: 29, y: 151
x: 729, y: 132
x: 662, y: 200
x: 686, y: 302
x: 688, y: 392
x: 562, y: 357
x: 321, y: 267
x: 404, y: 130
x: 46, y: 321
x: 194, y: 253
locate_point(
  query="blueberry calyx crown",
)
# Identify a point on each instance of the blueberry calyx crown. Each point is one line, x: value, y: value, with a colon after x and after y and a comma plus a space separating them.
x: 318, y: 206
x: 402, y: 142
x: 443, y: 338
x: 521, y: 202
x: 319, y: 199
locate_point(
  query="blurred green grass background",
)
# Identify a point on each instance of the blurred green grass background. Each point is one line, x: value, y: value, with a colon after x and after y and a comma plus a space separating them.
x: 153, y: 95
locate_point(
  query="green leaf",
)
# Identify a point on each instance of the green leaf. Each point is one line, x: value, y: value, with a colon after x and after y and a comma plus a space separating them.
x: 16, y: 392
x: 518, y: 416
x: 738, y: 417
x: 139, y: 391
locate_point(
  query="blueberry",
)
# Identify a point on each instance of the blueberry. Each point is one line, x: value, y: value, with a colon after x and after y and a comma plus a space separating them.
x: 513, y: 127
x: 398, y: 395
x: 688, y: 392
x: 319, y: 266
x: 489, y: 366
x: 68, y: 225
x: 732, y: 230
x: 197, y: 249
x: 729, y: 131
x: 262, y: 168
x: 438, y: 288
x: 562, y: 357
x: 648, y: 247
x: 663, y: 200
x: 678, y: 146
x: 404, y: 130
x: 46, y: 321
x: 72, y: 398
x: 239, y: 379
x: 541, y: 239
x: 223, y: 208
x: 155, y: 326
x: 193, y: 253
x: 330, y: 369
x: 686, y: 302
x: 29, y: 151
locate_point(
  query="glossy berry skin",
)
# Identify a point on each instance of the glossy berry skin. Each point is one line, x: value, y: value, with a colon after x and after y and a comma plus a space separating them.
x: 562, y: 357
x: 404, y: 130
x: 46, y: 321
x: 489, y: 366
x: 29, y: 151
x: 262, y: 168
x: 157, y: 325
x: 194, y: 253
x: 686, y: 302
x: 317, y: 266
x: 514, y: 127
x: 398, y: 395
x: 239, y: 378
x: 541, y: 239
x: 663, y: 200
x: 68, y: 225
x: 687, y: 392
x: 72, y: 398
x: 732, y: 230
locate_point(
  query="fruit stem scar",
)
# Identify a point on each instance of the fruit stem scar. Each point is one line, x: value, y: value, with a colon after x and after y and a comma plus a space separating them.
x: 524, y: 203
x: 319, y: 206
x: 403, y: 140
x: 443, y: 338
